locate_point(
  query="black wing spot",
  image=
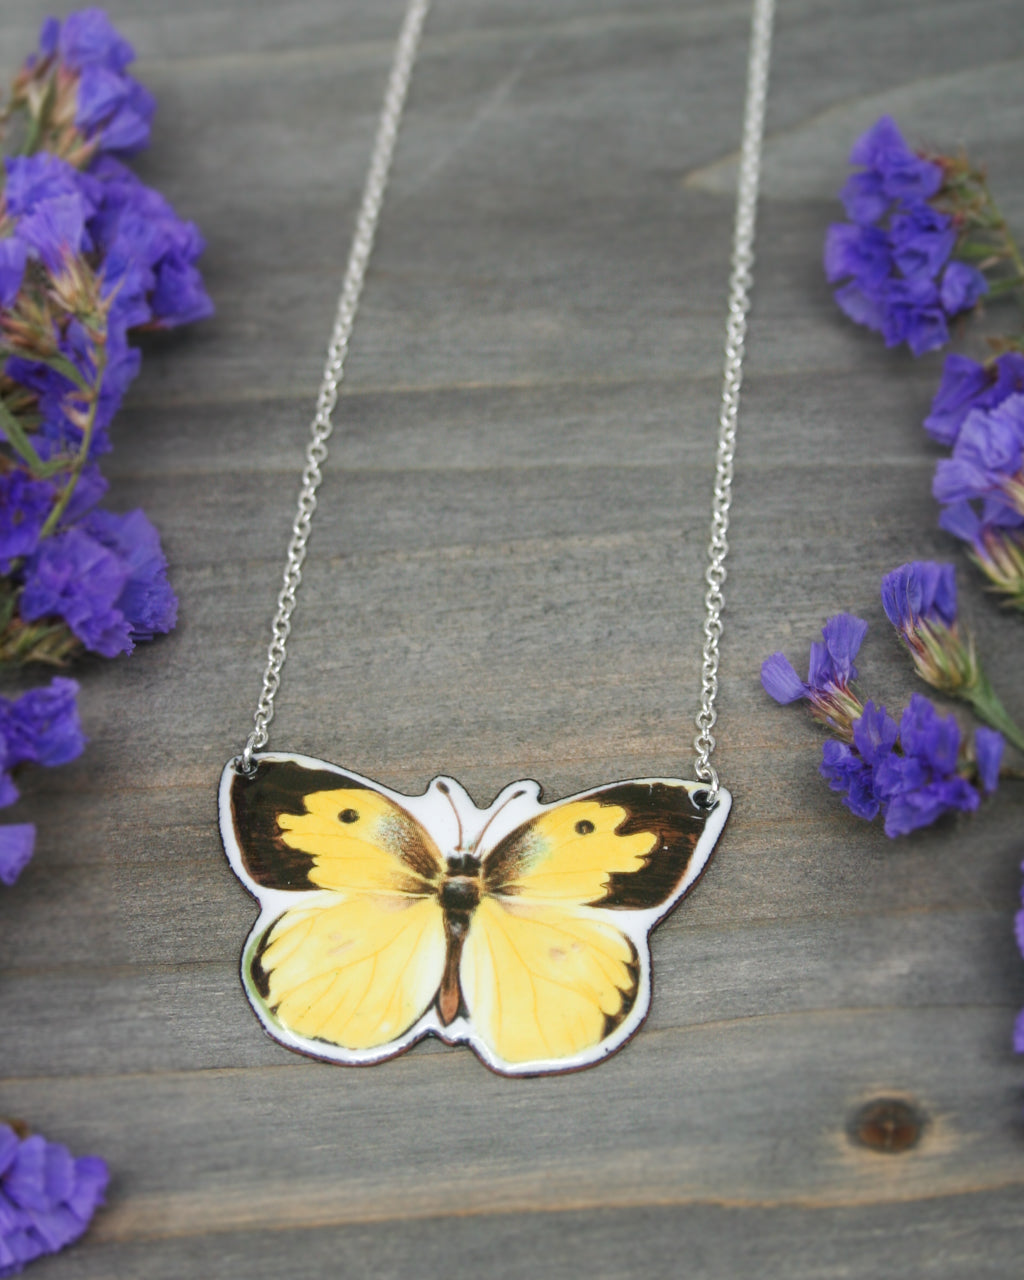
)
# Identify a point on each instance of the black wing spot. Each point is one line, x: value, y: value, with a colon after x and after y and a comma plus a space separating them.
x: 348, y: 815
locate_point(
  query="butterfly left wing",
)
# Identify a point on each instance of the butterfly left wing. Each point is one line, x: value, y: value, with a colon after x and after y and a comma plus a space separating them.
x: 555, y: 971
x: 349, y: 951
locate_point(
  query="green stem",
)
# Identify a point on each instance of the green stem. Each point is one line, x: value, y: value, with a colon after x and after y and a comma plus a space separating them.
x: 78, y: 466
x: 37, y: 122
x: 986, y: 703
x: 31, y: 139
x: 1010, y: 246
x: 1005, y: 286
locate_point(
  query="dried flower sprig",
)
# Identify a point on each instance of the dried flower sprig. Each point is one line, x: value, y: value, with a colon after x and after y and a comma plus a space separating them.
x: 912, y: 772
x: 920, y: 601
x: 901, y: 262
x: 926, y: 241
x: 89, y: 256
x: 75, y: 96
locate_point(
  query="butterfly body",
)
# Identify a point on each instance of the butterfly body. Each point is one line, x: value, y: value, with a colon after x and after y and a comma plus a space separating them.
x: 520, y: 929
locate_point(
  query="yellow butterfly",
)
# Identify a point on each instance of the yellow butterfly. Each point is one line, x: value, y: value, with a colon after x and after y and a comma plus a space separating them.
x: 520, y: 929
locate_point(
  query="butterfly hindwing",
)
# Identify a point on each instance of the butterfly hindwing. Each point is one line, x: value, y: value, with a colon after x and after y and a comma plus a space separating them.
x: 546, y: 985
x: 352, y: 972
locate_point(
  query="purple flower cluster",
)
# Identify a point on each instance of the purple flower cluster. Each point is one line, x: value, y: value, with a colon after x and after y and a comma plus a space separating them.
x: 910, y: 772
x: 895, y: 255
x: 71, y: 234
x: 978, y: 413
x: 89, y: 255
x: 81, y: 66
x: 39, y: 727
x: 47, y: 1197
x: 916, y: 770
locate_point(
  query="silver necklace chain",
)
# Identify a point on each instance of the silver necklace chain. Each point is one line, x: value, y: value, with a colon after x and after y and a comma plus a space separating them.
x: 740, y: 282
x: 741, y: 279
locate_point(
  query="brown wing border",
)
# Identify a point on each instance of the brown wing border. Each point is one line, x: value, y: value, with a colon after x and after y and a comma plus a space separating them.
x: 664, y: 810
x: 278, y: 787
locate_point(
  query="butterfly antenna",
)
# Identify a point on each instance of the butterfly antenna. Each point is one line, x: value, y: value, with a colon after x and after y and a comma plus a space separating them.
x: 446, y: 792
x: 514, y: 796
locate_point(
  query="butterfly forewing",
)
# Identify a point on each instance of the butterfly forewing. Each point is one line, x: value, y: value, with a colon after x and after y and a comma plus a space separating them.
x: 301, y: 828
x: 627, y: 847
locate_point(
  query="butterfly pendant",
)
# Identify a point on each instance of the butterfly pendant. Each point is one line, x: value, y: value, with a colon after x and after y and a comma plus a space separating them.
x: 520, y: 929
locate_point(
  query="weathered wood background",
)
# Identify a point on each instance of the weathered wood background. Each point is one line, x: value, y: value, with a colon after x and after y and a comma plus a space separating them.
x: 504, y: 582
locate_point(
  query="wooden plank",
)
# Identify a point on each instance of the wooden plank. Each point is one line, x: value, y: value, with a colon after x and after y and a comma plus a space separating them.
x: 504, y: 582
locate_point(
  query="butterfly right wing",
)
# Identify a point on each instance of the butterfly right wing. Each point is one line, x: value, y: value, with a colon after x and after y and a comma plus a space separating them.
x: 555, y: 970
x: 347, y: 957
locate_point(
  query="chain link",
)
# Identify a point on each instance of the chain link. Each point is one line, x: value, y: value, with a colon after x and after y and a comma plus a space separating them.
x: 334, y: 369
x: 740, y: 281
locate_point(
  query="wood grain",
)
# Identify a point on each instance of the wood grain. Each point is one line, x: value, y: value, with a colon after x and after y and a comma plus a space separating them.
x: 504, y: 582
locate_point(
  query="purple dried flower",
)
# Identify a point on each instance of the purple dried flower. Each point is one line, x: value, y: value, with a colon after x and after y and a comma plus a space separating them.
x: 862, y: 252
x: 852, y: 769
x: 893, y: 170
x: 987, y: 458
x: 922, y: 591
x: 996, y: 544
x: 921, y: 784
x: 24, y: 505
x: 87, y: 38
x: 830, y: 672
x: 106, y: 577
x: 90, y: 82
x: 989, y: 745
x: 116, y: 107
x: 912, y: 313
x: 33, y: 180
x: 13, y: 258
x: 968, y: 385
x: 54, y: 230
x: 149, y: 252
x: 74, y: 577
x: 47, y: 1198
x: 962, y: 286
x: 146, y: 600
x: 42, y: 725
x: 920, y: 601
x: 832, y: 662
x: 17, y: 840
x: 845, y: 772
x: 780, y: 680
x: 922, y: 240
x: 61, y: 404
